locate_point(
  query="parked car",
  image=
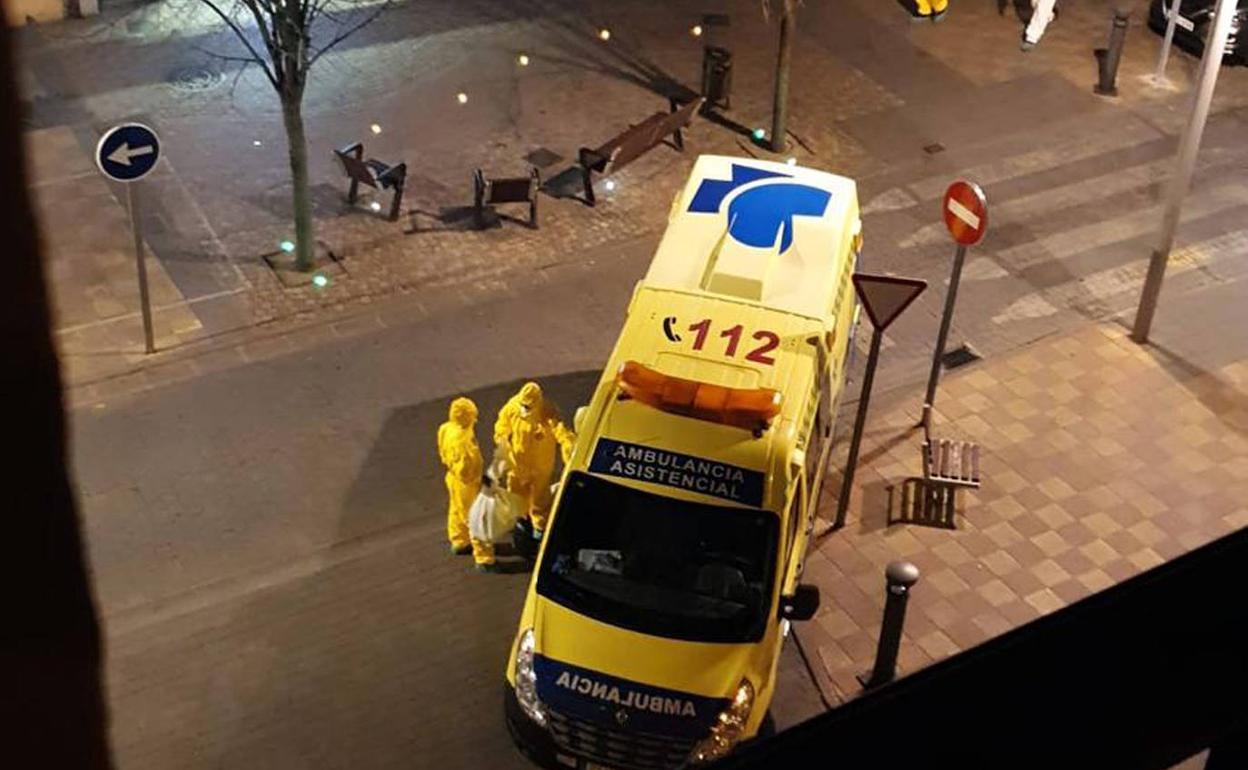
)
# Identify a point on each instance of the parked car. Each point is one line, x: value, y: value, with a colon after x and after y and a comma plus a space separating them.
x: 1196, y: 23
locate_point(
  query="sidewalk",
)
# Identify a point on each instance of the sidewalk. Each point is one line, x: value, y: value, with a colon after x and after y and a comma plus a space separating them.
x: 1102, y: 459
x: 89, y: 248
x: 219, y: 200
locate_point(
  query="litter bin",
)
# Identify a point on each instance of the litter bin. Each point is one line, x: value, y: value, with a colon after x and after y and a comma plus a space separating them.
x: 717, y: 76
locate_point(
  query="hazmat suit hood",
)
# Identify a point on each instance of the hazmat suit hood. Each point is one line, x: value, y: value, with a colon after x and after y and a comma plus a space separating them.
x: 463, y: 412
x: 530, y: 397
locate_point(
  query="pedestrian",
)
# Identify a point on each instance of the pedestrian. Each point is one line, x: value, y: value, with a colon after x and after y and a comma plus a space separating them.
x: 929, y: 10
x: 458, y: 450
x: 526, y: 432
x: 1042, y: 12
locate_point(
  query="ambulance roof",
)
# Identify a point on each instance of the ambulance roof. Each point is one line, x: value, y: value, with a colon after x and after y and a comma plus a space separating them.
x: 758, y: 231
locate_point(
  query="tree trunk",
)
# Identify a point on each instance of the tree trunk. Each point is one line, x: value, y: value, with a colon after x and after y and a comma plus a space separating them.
x: 296, y: 143
x: 780, y: 108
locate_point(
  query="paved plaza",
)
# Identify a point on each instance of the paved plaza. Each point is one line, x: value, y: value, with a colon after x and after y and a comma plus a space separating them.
x: 1073, y: 178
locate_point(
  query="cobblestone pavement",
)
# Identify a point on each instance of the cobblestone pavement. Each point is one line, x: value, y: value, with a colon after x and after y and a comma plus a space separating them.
x: 1102, y: 459
x: 1074, y: 179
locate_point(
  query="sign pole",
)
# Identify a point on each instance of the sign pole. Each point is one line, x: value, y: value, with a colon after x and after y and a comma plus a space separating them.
x: 942, y: 336
x: 847, y: 484
x: 1185, y: 165
x: 132, y: 199
x: 126, y: 153
x: 884, y: 297
x: 965, y: 211
x: 1160, y: 75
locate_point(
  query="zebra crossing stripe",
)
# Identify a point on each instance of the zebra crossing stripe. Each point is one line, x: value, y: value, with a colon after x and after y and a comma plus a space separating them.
x: 1042, y: 209
x: 1080, y: 240
x: 1061, y: 147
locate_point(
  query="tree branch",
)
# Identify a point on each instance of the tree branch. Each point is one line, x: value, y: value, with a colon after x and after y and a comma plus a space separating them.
x: 243, y: 37
x: 350, y: 31
x: 261, y: 11
x: 316, y: 8
x: 322, y: 9
x: 222, y: 56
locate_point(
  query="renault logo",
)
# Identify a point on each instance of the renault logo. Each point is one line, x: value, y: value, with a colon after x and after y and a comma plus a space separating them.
x: 621, y: 717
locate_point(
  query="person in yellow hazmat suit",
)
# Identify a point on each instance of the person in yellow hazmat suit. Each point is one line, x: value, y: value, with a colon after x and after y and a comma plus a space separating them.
x: 526, y: 432
x: 457, y: 447
x: 930, y: 9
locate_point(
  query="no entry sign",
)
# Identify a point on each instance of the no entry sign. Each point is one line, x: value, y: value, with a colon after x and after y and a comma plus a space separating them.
x: 966, y: 212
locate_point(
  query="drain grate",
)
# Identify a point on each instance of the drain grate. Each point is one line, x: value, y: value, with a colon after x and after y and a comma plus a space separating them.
x: 960, y: 356
x: 195, y: 79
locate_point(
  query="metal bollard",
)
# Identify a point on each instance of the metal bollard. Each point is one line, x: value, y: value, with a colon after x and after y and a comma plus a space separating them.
x: 717, y: 77
x: 901, y: 575
x: 1107, y: 58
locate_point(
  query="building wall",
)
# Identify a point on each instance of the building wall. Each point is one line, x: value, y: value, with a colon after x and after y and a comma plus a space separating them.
x: 18, y: 12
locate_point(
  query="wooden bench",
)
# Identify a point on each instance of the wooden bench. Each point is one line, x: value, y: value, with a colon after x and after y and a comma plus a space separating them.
x: 952, y: 463
x: 377, y: 174
x: 491, y: 192
x: 931, y: 499
x: 619, y: 151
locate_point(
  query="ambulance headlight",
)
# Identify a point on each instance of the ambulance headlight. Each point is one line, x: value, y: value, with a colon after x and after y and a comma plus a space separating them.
x: 526, y: 680
x: 729, y: 726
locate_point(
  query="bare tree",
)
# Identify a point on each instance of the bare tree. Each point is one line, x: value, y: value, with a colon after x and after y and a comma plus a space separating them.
x: 286, y: 50
x: 787, y: 11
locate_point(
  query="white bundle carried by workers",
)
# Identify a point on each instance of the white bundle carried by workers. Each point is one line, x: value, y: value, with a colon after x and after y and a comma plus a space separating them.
x: 493, y: 514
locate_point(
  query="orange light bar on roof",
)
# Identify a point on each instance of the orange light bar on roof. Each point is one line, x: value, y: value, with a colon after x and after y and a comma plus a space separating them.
x: 750, y: 408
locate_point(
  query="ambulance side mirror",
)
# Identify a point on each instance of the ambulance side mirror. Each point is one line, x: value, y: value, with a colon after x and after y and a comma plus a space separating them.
x: 802, y: 604
x: 578, y: 419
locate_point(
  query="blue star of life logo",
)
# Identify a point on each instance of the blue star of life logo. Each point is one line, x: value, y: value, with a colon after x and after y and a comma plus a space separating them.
x: 756, y: 215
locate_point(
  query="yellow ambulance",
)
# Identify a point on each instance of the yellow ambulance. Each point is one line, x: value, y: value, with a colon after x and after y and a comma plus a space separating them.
x: 669, y: 572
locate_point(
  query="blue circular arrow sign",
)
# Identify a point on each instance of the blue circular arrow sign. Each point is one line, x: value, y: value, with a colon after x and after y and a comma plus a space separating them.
x: 126, y: 153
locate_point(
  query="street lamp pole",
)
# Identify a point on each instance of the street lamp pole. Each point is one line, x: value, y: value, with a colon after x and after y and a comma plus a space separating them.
x: 1189, y: 145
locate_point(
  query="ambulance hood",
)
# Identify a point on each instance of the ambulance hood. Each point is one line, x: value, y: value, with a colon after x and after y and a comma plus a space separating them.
x: 599, y: 673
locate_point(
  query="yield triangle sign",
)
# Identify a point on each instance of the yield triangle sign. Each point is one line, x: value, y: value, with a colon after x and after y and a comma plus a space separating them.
x: 885, y: 296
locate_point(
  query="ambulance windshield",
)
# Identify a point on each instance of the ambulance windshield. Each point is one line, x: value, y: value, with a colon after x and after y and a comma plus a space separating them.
x: 659, y: 565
